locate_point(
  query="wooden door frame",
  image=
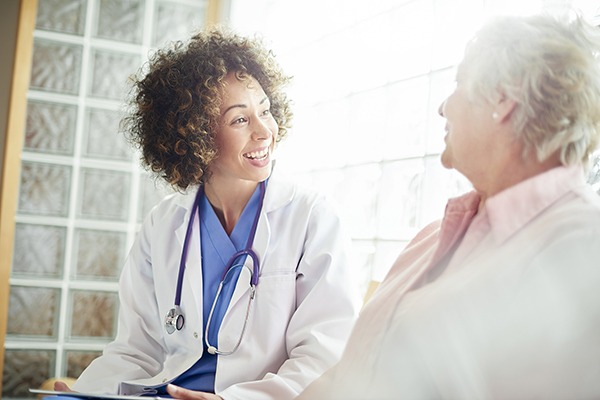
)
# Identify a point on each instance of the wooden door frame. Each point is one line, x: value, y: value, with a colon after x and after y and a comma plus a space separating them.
x: 13, y: 145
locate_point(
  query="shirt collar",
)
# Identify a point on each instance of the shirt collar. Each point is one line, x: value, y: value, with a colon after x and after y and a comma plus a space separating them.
x: 457, y: 217
x: 511, y: 209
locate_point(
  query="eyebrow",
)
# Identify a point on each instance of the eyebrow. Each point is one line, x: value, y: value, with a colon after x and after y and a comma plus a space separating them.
x: 241, y: 106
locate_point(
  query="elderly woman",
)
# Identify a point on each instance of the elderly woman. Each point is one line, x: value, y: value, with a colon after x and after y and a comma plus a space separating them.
x: 238, y: 286
x: 500, y: 299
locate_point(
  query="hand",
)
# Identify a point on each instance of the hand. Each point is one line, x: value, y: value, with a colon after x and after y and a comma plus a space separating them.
x: 186, y: 394
x: 60, y: 386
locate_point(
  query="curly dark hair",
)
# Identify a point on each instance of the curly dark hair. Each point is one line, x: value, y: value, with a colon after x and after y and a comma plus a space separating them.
x: 174, y: 106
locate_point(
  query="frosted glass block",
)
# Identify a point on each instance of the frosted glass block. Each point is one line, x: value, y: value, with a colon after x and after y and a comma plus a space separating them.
x: 353, y: 191
x: 520, y: 7
x: 399, y: 198
x: 454, y: 22
x: 102, y: 138
x: 50, y: 127
x: 318, y: 140
x: 283, y: 30
x: 56, y: 67
x: 33, y: 312
x: 363, y: 256
x: 363, y: 142
x: 369, y: 55
x: 77, y: 361
x: 24, y: 369
x: 366, y: 8
x: 405, y: 119
x: 94, y: 314
x: 385, y: 255
x: 104, y: 195
x: 66, y: 16
x: 99, y: 255
x: 120, y: 20
x: 332, y: 67
x: 306, y: 87
x: 44, y: 189
x: 152, y: 191
x: 110, y: 71
x: 410, y: 41
x: 173, y: 21
x: 39, y: 251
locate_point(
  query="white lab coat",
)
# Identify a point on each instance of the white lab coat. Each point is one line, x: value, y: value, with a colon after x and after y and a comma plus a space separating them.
x: 306, y: 303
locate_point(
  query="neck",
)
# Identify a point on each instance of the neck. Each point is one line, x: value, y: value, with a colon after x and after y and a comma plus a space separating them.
x: 229, y: 201
x: 514, y: 174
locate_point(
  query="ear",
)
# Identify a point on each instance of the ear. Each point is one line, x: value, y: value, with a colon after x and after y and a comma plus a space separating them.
x: 503, y: 108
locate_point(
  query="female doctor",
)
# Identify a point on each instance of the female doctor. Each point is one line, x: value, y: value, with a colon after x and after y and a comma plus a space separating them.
x: 238, y: 286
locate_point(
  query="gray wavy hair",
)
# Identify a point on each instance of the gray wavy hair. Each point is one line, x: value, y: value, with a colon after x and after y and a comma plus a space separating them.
x: 549, y: 67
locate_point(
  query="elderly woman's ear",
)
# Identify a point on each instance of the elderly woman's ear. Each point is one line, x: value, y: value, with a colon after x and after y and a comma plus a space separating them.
x: 503, y: 108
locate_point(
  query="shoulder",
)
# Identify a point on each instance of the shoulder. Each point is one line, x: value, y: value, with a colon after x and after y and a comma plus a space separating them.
x: 293, y: 207
x: 283, y: 192
x: 576, y: 213
x: 173, y: 206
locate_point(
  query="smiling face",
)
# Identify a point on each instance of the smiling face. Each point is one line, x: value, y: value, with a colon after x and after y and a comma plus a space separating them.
x: 247, y: 132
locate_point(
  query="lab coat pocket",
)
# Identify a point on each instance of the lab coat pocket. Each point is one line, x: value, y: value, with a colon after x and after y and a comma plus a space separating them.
x: 275, y: 305
x: 276, y: 294
x: 268, y: 317
x: 276, y: 297
x: 276, y: 280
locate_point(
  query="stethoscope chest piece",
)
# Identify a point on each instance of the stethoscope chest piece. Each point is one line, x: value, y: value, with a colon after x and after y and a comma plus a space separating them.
x: 174, y: 320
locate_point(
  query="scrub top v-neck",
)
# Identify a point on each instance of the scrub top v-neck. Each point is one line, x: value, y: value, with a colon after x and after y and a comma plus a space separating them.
x: 217, y: 248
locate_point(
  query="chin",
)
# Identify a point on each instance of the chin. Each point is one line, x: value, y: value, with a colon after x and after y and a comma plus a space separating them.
x: 263, y: 175
x: 446, y: 160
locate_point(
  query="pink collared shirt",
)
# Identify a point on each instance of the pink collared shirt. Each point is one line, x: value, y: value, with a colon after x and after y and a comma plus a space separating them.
x: 501, y: 303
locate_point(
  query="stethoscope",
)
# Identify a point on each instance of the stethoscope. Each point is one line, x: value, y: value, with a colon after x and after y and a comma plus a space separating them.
x: 175, y: 319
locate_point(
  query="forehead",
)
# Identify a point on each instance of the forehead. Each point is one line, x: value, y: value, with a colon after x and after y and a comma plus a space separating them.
x: 236, y: 83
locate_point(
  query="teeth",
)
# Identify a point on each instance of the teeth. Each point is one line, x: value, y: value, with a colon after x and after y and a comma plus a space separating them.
x: 257, y: 154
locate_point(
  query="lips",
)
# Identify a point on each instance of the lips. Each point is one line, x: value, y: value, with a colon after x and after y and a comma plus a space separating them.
x: 258, y: 154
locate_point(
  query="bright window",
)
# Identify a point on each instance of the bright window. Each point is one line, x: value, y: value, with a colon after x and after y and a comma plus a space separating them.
x: 368, y: 80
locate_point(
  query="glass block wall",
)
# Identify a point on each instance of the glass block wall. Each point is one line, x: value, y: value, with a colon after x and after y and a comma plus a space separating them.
x: 82, y: 195
x: 369, y: 77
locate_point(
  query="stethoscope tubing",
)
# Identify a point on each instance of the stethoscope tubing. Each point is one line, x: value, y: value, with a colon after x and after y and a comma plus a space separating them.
x: 188, y: 233
x: 212, y: 349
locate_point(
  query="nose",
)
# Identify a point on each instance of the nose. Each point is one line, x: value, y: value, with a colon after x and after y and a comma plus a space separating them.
x: 441, y: 108
x: 262, y: 130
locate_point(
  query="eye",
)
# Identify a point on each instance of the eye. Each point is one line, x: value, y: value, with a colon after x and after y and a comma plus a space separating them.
x: 238, y: 121
x: 266, y: 112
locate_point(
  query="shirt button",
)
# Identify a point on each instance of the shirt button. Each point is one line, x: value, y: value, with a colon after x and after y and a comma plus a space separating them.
x: 196, y: 335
